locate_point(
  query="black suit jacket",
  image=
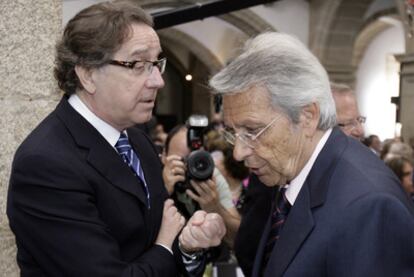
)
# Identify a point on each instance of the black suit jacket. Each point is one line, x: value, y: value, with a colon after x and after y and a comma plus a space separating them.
x: 255, y: 212
x: 76, y: 208
x: 351, y: 218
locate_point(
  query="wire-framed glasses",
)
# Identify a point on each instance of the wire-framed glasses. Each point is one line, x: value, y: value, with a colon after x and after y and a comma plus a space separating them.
x: 353, y: 123
x: 247, y: 138
x: 140, y: 67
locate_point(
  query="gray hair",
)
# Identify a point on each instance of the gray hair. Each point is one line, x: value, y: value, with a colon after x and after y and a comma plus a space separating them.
x: 286, y: 69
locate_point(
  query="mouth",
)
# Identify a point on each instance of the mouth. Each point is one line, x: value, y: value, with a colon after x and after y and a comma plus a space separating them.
x: 148, y: 102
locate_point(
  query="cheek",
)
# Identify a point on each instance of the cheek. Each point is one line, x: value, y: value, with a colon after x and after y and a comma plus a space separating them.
x: 275, y: 152
x: 283, y: 153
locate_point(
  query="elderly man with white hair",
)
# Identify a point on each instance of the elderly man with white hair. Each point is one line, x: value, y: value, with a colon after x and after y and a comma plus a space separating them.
x: 338, y: 210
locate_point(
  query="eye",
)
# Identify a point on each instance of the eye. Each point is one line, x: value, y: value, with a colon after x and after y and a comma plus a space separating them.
x: 252, y: 131
x: 139, y: 66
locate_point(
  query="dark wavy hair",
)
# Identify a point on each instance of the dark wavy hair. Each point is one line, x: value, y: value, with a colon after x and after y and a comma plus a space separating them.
x: 92, y: 37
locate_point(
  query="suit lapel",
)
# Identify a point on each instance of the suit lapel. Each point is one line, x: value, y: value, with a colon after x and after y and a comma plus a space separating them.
x: 113, y: 168
x: 300, y: 221
x: 101, y: 155
x: 295, y: 231
x: 258, y: 261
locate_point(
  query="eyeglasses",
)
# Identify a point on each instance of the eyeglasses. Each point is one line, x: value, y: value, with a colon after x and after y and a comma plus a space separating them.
x: 354, y: 123
x: 140, y: 66
x: 247, y: 138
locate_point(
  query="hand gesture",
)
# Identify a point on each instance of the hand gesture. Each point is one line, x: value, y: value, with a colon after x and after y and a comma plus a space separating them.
x: 203, y: 230
x: 171, y: 225
x: 173, y: 172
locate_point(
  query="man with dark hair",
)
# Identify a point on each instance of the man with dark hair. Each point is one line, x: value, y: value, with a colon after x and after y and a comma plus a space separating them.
x: 337, y: 209
x: 86, y: 195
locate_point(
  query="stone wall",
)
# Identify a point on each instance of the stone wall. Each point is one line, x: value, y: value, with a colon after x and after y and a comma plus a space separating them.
x: 28, y: 32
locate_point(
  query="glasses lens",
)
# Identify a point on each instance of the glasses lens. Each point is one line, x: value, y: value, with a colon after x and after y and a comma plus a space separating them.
x: 161, y: 65
x: 139, y: 67
x: 229, y: 137
x: 247, y: 139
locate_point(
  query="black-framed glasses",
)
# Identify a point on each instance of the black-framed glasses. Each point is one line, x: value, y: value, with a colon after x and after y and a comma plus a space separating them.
x: 353, y: 123
x: 142, y: 66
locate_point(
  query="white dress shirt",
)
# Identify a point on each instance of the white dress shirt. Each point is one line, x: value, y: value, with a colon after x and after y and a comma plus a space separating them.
x: 296, y: 184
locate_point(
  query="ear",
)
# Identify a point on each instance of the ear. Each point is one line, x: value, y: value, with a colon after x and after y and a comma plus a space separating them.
x: 85, y: 78
x: 309, y: 119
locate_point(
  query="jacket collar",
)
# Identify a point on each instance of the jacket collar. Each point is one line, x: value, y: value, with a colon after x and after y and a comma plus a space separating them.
x: 101, y: 155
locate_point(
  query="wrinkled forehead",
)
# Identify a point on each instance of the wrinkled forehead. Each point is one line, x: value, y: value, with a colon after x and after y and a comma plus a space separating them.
x: 242, y: 107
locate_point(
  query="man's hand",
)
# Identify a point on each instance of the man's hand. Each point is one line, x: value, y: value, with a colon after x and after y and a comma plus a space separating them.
x: 171, y: 225
x: 173, y: 172
x: 203, y: 230
x: 207, y: 195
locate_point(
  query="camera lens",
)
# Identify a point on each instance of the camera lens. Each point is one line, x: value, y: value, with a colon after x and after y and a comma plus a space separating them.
x: 200, y: 165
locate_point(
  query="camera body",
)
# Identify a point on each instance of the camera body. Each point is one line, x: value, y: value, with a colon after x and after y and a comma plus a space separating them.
x: 199, y: 163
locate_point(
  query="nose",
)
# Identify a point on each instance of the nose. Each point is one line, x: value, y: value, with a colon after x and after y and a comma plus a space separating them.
x: 155, y: 79
x: 241, y: 151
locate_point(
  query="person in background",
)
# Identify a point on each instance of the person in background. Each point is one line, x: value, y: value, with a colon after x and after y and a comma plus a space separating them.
x: 403, y: 169
x: 337, y: 209
x: 86, y: 196
x: 212, y: 195
x: 400, y: 148
x: 374, y: 143
x: 348, y: 116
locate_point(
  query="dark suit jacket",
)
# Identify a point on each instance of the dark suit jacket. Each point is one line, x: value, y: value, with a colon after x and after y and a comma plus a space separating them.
x: 76, y: 208
x: 254, y: 214
x: 351, y: 218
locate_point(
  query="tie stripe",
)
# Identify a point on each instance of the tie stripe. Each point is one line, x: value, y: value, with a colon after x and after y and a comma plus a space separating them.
x: 131, y: 159
x: 278, y: 218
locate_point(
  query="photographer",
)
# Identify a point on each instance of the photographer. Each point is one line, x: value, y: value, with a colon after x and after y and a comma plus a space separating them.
x: 210, y: 195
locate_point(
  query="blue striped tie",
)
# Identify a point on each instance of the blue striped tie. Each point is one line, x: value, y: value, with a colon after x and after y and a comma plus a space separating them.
x: 131, y: 159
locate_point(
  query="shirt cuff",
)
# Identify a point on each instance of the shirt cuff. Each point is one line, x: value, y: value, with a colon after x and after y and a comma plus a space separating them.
x: 167, y: 248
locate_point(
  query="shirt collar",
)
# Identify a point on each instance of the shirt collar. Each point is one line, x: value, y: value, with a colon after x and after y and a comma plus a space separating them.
x: 110, y: 134
x: 296, y: 184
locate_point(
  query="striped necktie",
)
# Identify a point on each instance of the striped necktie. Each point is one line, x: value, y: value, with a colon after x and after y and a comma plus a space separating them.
x: 131, y: 159
x: 281, y: 208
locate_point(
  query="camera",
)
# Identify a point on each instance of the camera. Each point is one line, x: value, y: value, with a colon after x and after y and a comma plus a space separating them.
x: 199, y: 163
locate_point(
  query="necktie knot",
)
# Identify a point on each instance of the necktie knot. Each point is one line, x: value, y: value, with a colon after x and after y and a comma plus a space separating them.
x: 122, y: 145
x: 282, y: 205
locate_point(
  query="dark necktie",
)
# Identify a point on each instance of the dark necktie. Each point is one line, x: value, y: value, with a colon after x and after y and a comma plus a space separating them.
x: 131, y: 159
x: 279, y: 215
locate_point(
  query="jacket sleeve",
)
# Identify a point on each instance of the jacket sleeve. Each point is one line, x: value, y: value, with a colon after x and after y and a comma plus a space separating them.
x: 375, y: 238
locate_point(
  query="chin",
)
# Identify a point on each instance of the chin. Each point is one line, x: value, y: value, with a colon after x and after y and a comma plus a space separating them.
x: 267, y: 181
x: 143, y: 117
